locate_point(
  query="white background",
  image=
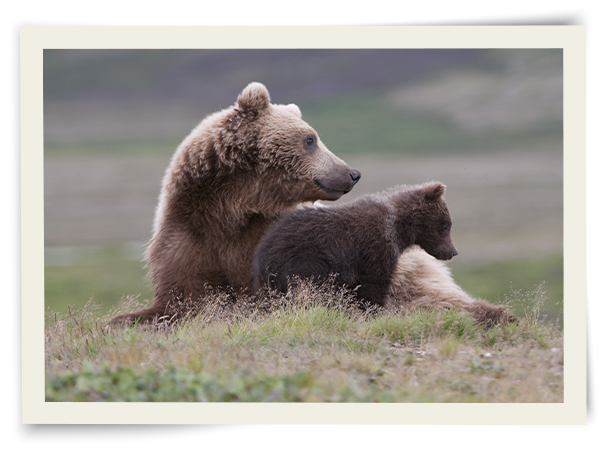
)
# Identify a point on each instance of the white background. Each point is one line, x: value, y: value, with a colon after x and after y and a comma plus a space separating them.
x: 309, y: 12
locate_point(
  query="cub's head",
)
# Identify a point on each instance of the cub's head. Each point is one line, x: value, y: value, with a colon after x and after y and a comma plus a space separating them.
x: 432, y: 221
x: 289, y: 151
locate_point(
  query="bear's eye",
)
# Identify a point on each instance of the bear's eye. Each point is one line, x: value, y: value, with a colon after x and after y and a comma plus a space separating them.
x: 310, y: 141
x: 446, y: 227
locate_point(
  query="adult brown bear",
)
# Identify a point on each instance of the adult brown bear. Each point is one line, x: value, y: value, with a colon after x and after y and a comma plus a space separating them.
x: 226, y: 183
x: 229, y: 180
x: 419, y: 280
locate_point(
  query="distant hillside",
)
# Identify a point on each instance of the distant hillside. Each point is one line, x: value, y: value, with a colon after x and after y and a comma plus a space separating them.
x: 212, y: 76
x: 413, y: 99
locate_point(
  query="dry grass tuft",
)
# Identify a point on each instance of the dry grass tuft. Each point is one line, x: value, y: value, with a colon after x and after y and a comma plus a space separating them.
x: 312, y: 344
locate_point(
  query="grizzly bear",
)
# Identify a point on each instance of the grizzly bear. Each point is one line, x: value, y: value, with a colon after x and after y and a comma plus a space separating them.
x: 421, y: 281
x: 356, y: 245
x: 227, y: 182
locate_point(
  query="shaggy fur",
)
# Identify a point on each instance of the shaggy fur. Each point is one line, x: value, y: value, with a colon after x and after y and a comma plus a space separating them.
x: 226, y: 184
x: 420, y: 281
x: 358, y: 244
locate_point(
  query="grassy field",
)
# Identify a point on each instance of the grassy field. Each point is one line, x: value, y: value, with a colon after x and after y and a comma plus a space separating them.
x: 310, y: 346
x: 109, y: 276
x: 488, y: 124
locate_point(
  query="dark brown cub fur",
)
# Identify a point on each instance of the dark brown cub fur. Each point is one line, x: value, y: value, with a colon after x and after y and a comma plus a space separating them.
x: 358, y: 244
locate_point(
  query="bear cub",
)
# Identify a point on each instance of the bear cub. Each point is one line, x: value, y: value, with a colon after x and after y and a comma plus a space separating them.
x: 357, y: 244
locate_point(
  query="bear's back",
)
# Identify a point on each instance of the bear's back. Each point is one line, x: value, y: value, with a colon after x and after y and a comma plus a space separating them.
x: 320, y: 243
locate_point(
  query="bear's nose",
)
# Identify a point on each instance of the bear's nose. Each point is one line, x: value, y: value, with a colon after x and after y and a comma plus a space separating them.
x: 355, y: 176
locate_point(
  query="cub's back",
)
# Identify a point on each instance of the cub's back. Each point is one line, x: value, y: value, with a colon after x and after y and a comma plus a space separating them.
x: 316, y: 243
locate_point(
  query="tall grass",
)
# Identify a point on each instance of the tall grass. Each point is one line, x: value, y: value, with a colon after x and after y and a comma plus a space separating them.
x: 312, y: 345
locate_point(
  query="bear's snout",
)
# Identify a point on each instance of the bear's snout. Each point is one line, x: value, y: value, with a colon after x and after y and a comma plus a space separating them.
x: 449, y: 255
x: 338, y: 183
x: 442, y: 254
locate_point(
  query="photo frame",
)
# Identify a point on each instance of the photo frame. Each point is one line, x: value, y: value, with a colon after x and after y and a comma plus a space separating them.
x: 569, y: 38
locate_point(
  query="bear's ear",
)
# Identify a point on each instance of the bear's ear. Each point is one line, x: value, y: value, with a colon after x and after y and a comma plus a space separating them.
x: 433, y: 191
x: 254, y: 98
x: 293, y: 108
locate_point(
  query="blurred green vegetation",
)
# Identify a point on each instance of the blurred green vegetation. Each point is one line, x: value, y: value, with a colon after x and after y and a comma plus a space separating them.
x: 109, y: 277
x: 304, y: 73
x: 494, y: 281
x: 368, y: 124
x: 106, y: 279
x: 115, y: 148
x: 353, y: 125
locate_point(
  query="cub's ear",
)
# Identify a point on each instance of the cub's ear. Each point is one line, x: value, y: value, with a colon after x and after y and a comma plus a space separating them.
x: 433, y: 191
x: 254, y: 98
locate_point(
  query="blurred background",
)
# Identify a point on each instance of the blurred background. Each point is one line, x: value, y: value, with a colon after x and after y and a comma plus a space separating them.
x: 487, y: 123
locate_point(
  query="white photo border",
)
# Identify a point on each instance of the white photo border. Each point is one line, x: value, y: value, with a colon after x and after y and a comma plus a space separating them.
x: 572, y: 39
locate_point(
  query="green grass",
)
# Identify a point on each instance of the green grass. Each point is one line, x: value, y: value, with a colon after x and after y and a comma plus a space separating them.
x: 175, y: 384
x: 108, y: 277
x: 496, y: 281
x: 309, y: 346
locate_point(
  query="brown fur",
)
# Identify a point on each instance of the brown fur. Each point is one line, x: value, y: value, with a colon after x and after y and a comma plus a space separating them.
x: 358, y: 244
x: 421, y: 281
x: 226, y: 183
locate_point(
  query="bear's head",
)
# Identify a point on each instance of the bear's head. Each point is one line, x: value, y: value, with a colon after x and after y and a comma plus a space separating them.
x: 432, y: 221
x: 289, y: 151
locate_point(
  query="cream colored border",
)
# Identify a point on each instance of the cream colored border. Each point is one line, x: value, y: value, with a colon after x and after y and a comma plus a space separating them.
x: 35, y: 39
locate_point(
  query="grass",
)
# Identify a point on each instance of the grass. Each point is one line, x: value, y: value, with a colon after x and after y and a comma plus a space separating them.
x: 104, y: 276
x: 309, y: 346
x: 108, y: 276
x: 495, y: 281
